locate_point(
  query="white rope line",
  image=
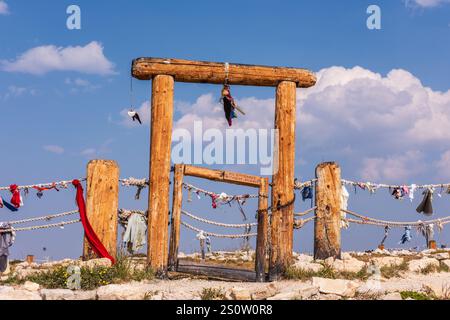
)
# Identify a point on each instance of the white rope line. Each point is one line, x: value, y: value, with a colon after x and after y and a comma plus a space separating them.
x: 48, y: 217
x: 304, y: 213
x: 62, y: 184
x: 391, y: 186
x: 219, y: 224
x: 301, y: 185
x: 365, y: 219
x: 217, y: 235
x: 47, y: 226
x: 300, y: 223
x: 210, y: 193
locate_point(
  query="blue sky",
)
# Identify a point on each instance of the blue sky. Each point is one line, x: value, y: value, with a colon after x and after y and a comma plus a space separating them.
x: 380, y: 107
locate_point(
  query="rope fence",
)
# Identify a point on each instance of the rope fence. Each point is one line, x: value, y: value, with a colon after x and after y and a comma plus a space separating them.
x: 372, y: 221
x: 217, y: 235
x: 62, y: 184
x: 391, y: 186
x: 47, y: 226
x: 219, y: 224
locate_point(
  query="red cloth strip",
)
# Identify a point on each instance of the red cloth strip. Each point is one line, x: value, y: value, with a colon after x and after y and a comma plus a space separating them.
x: 89, y: 233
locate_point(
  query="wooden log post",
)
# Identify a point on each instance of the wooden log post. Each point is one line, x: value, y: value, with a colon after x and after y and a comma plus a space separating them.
x: 327, y: 227
x: 102, y: 203
x: 159, y: 184
x: 263, y: 226
x: 176, y: 216
x: 282, y: 220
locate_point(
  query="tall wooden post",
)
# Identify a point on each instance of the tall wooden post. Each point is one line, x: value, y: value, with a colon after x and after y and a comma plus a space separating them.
x: 327, y: 227
x: 283, y: 180
x: 159, y: 184
x: 263, y: 225
x: 102, y: 203
x: 176, y: 216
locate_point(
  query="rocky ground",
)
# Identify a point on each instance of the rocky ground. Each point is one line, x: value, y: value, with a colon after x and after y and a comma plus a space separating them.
x: 381, y: 274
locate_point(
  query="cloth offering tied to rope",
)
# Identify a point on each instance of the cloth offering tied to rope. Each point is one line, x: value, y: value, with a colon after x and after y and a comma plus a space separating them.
x: 134, y: 237
x: 7, y: 238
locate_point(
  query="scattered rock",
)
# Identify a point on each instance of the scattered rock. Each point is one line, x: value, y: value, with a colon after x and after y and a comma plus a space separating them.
x: 9, y: 293
x: 308, y: 266
x: 31, y: 286
x: 392, y: 296
x: 348, y: 265
x: 387, y: 261
x: 441, y: 256
x: 263, y: 294
x: 103, y: 262
x: 330, y: 297
x: 418, y: 265
x: 439, y: 288
x: 344, y: 288
x: 130, y: 291
x: 240, y: 294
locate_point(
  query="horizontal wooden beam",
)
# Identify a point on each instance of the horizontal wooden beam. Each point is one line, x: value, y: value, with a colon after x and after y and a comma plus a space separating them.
x: 223, y: 176
x: 216, y: 271
x: 219, y: 72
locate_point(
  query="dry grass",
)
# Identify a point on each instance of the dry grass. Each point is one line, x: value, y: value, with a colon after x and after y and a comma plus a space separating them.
x: 394, y: 270
x: 212, y: 294
x: 294, y: 273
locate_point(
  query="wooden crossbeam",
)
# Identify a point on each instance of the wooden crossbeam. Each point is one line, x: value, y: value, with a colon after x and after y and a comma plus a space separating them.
x: 219, y: 72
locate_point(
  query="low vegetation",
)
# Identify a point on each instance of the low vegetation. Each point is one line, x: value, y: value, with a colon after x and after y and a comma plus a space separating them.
x: 91, y: 278
x: 394, y: 270
x: 212, y: 294
x: 414, y: 295
x: 294, y: 273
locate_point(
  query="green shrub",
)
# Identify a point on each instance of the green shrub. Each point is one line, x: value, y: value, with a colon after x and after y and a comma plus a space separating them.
x: 414, y: 295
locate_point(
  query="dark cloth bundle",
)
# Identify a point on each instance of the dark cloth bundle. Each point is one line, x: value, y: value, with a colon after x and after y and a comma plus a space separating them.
x: 426, y: 206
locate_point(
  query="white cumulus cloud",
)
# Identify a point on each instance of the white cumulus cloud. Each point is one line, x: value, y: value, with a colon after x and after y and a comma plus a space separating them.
x: 89, y: 59
x: 4, y: 10
x: 384, y: 127
x: 427, y: 3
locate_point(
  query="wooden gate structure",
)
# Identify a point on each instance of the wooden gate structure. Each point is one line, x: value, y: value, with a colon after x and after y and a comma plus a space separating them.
x: 163, y: 73
x: 228, y: 177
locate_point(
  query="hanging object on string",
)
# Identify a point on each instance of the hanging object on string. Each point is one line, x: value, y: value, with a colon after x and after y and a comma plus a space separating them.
x: 386, y: 233
x: 132, y: 113
x: 406, y: 237
x: 16, y: 199
x: 40, y: 189
x: 426, y: 206
x: 229, y: 105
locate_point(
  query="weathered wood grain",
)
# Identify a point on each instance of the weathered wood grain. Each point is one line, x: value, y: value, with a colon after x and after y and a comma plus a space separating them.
x: 102, y: 203
x: 216, y: 73
x: 159, y: 184
x: 327, y: 226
